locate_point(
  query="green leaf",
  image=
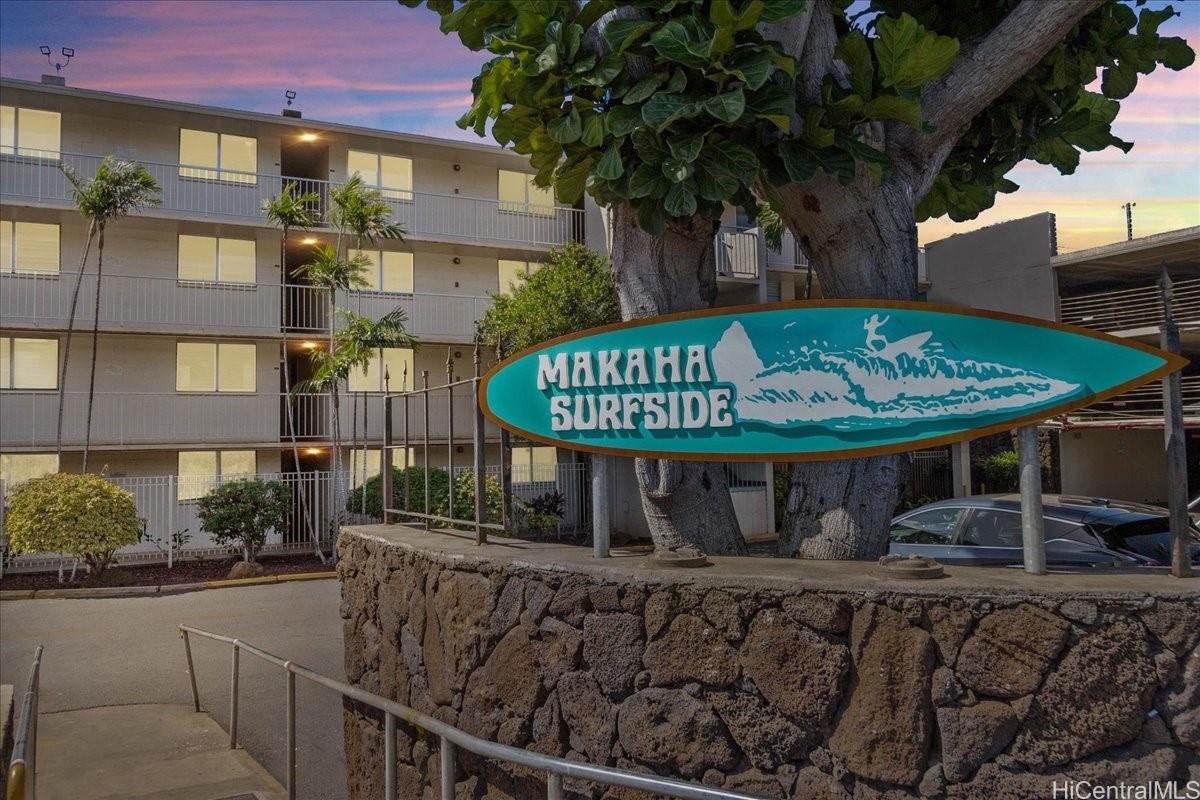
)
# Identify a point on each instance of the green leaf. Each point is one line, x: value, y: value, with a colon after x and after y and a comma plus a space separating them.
x: 677, y: 83
x: 566, y: 129
x: 609, y: 167
x: 774, y: 103
x: 776, y: 10
x: 798, y: 161
x: 651, y: 217
x: 642, y: 89
x: 593, y: 129
x: 717, y: 185
x: 728, y: 21
x: 727, y: 107
x: 876, y: 161
x: 572, y: 36
x: 679, y: 202
x: 648, y: 146
x: 815, y: 133
x: 663, y: 109
x: 621, y: 33
x: 676, y: 170
x: 740, y: 160
x: 623, y: 119
x: 686, y: 148
x: 548, y: 59
x: 685, y: 41
x: 910, y: 56
x: 1119, y: 82
x: 855, y: 53
x: 605, y: 71
x: 753, y: 66
x: 1175, y: 53
x: 571, y: 178
x: 645, y: 180
x: 890, y: 106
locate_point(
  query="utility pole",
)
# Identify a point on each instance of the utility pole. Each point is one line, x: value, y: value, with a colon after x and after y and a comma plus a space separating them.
x: 1033, y: 534
x: 1129, y: 220
x: 1181, y: 557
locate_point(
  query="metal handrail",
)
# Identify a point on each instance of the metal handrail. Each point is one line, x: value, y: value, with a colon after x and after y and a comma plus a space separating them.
x: 450, y: 738
x: 22, y: 768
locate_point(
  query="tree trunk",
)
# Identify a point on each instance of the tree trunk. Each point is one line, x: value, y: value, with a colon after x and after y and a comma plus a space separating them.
x: 861, y: 241
x: 685, y: 502
x: 62, y: 375
x: 87, y: 434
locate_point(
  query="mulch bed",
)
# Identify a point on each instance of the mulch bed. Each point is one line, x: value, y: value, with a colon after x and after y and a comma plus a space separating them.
x: 158, y: 574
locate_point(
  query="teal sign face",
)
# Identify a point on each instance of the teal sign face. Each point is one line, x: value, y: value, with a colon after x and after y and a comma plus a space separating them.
x: 807, y: 381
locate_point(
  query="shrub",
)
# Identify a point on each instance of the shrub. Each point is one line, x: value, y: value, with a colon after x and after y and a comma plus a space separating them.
x: 464, y: 498
x: 1001, y: 472
x: 539, y: 516
x: 83, y: 516
x: 240, y: 513
x: 438, y: 491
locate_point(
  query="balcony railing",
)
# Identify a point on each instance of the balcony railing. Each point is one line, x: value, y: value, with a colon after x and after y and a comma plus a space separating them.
x: 1130, y: 309
x: 240, y: 196
x: 138, y: 303
x: 145, y: 303
x: 1141, y: 405
x: 788, y: 256
x: 29, y: 418
x: 364, y: 411
x: 738, y: 253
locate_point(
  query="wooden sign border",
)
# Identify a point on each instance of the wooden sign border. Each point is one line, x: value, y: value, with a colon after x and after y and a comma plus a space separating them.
x: 1173, y: 363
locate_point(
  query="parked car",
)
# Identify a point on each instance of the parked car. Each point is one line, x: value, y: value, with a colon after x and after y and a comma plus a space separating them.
x: 1080, y: 531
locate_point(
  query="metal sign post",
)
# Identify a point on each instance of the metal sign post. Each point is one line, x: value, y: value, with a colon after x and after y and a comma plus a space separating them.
x: 1033, y: 524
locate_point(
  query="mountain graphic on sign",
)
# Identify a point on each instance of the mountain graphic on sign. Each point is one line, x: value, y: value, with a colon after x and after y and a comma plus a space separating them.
x: 882, y: 383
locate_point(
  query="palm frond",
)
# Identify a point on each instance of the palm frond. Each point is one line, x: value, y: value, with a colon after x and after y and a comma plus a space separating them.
x: 291, y: 208
x: 118, y: 188
x: 330, y: 271
x: 362, y: 212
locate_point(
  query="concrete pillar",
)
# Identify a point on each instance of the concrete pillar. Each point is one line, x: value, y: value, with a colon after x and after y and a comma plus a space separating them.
x: 960, y: 468
x: 1033, y: 524
x: 600, y: 505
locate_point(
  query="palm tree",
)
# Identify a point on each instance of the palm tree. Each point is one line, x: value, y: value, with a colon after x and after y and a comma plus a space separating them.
x: 291, y: 209
x: 118, y: 188
x: 332, y: 273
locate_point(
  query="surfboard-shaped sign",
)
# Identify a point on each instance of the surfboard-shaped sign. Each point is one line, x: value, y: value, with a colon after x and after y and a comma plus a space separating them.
x: 807, y: 380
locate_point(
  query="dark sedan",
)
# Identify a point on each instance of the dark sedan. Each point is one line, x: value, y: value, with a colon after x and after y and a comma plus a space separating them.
x: 1080, y: 531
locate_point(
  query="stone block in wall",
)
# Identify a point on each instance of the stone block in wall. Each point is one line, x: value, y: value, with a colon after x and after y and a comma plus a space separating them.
x: 691, y: 650
x: 1011, y: 650
x: 669, y: 729
x: 612, y: 647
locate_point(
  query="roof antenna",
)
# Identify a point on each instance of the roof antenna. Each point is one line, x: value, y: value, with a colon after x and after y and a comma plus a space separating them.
x: 56, y: 78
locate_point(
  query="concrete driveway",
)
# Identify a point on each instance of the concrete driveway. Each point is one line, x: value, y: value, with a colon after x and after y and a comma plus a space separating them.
x: 125, y: 651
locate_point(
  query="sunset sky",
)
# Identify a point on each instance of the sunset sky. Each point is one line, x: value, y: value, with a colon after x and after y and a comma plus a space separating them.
x: 380, y: 65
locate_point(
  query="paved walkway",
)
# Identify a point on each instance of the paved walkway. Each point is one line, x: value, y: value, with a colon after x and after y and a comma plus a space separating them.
x: 144, y: 752
x: 126, y: 651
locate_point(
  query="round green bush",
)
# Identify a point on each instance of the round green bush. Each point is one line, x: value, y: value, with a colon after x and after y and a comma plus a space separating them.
x: 1001, y: 472
x: 77, y: 515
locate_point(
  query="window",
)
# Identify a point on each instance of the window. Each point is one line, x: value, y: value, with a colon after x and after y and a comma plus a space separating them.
x: 391, y: 174
x: 30, y: 132
x: 212, y: 367
x: 935, y: 526
x: 511, y: 272
x: 28, y: 247
x: 389, y: 271
x: 534, y: 464
x: 199, y: 470
x: 398, y: 362
x: 19, y: 467
x: 208, y: 258
x: 988, y: 528
x: 28, y: 363
x: 518, y: 192
x: 217, y: 156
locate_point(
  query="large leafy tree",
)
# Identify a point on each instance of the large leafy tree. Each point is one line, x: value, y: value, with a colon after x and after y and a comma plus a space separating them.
x: 853, y: 127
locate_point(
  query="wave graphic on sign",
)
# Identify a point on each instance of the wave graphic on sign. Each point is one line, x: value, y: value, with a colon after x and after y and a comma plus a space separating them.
x: 881, y: 383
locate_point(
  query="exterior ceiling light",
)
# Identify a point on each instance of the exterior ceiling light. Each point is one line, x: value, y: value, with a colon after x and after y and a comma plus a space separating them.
x: 309, y: 345
x: 309, y: 137
x: 313, y: 451
x: 310, y: 240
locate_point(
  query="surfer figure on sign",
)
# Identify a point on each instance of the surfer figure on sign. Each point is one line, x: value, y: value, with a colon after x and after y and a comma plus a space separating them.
x: 880, y: 347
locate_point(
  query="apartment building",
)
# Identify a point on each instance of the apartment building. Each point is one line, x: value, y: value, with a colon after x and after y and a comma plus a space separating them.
x: 1115, y: 448
x: 197, y: 313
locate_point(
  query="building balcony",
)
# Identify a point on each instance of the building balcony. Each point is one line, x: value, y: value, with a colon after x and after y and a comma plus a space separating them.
x: 239, y: 196
x: 1132, y: 311
x: 139, y: 304
x: 740, y: 253
x: 141, y: 419
x: 448, y: 318
x: 158, y: 304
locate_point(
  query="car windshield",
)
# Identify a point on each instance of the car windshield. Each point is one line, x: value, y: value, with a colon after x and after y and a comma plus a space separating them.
x: 1146, y: 537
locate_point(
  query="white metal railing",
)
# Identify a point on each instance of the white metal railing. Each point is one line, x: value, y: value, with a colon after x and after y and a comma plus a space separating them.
x: 30, y: 418
x: 139, y: 302
x: 240, y: 195
x: 1144, y: 403
x: 364, y: 411
x: 788, y: 256
x: 1126, y: 309
x: 738, y: 253
x: 168, y: 511
x: 450, y: 738
x: 157, y: 302
x: 529, y: 481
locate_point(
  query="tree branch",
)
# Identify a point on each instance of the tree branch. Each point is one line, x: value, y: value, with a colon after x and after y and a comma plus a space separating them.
x: 1010, y: 50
